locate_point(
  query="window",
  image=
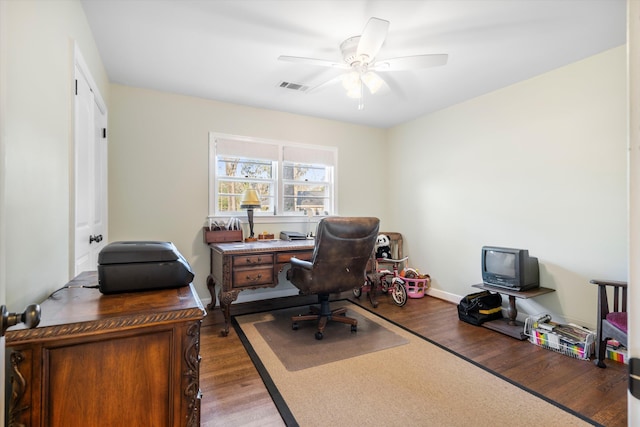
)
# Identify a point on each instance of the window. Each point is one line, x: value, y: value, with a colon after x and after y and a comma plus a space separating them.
x: 292, y: 179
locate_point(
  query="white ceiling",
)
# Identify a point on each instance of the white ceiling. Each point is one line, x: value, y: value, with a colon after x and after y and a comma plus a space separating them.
x: 227, y: 50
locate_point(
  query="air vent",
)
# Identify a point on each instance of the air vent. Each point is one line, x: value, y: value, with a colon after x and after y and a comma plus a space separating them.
x: 293, y: 86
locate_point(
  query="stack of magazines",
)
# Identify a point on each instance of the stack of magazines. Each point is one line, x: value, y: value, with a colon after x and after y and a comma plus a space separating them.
x: 569, y: 339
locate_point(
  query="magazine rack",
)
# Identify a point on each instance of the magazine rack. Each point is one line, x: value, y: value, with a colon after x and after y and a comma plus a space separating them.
x: 570, y: 340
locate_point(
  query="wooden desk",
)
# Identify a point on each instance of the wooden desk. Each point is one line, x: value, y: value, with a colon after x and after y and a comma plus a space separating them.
x: 510, y: 326
x: 114, y: 360
x: 241, y: 266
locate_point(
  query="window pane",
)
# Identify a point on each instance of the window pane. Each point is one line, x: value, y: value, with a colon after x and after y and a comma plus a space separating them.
x: 299, y: 172
x: 301, y: 197
x: 302, y: 182
x: 267, y: 196
x: 230, y: 195
x: 236, y: 167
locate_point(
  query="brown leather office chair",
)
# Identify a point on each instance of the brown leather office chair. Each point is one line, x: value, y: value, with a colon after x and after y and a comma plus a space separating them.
x: 342, y: 248
x: 612, y: 318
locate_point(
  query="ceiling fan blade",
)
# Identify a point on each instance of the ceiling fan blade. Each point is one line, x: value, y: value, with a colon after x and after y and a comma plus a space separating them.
x: 372, y: 38
x: 410, y: 62
x: 313, y: 61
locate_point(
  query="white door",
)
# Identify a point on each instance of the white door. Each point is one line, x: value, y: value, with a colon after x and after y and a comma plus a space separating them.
x: 99, y: 199
x: 90, y: 166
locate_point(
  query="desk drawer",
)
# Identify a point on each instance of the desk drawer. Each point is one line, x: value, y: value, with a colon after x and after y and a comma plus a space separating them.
x: 251, y: 260
x: 286, y: 256
x: 252, y: 277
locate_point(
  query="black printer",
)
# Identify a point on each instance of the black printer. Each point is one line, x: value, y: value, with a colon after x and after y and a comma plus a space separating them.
x: 141, y: 266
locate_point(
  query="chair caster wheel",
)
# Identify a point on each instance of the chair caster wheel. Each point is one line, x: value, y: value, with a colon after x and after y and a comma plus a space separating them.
x: 354, y: 328
x: 294, y: 326
x: 319, y: 335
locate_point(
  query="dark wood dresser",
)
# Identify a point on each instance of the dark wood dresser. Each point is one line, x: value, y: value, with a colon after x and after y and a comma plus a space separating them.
x: 129, y: 359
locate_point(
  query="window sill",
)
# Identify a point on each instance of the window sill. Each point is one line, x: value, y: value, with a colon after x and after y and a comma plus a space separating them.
x: 272, y: 219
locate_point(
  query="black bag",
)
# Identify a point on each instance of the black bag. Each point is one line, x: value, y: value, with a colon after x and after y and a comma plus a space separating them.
x: 480, y: 307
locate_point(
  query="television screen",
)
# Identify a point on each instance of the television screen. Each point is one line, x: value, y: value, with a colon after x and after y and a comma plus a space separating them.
x: 511, y: 268
x: 502, y: 263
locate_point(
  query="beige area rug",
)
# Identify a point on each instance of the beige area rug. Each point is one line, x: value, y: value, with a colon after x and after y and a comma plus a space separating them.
x: 415, y: 384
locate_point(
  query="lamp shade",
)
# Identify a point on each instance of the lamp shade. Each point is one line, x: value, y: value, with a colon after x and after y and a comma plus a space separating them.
x: 250, y: 199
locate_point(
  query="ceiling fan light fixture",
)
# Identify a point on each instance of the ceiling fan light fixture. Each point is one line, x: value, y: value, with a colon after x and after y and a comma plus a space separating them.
x: 354, y: 92
x: 372, y: 81
x: 359, y: 55
x: 351, y: 80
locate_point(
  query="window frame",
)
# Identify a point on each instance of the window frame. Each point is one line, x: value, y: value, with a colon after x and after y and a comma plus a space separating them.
x: 327, y: 152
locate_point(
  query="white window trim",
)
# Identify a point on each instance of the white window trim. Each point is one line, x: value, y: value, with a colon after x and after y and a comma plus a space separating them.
x: 266, y: 218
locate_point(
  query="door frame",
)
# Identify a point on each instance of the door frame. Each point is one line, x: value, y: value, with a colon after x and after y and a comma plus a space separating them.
x: 3, y: 216
x: 633, y: 171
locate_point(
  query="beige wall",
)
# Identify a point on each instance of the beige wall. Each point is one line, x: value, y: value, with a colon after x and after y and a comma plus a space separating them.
x: 540, y: 165
x: 560, y: 136
x: 37, y: 141
x: 158, y: 170
x: 36, y: 145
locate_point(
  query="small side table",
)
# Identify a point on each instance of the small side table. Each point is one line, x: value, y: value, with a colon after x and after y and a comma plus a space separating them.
x: 510, y: 326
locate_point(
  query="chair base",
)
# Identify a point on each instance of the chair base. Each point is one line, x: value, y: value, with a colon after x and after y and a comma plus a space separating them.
x: 324, y: 314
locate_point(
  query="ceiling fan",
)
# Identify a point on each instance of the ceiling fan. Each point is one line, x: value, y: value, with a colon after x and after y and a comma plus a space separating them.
x: 359, y: 54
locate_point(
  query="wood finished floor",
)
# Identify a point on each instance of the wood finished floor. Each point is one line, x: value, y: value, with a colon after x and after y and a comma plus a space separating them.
x: 234, y: 395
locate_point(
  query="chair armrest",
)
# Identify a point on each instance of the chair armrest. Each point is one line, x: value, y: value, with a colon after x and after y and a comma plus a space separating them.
x: 609, y: 283
x: 300, y: 273
x: 299, y: 263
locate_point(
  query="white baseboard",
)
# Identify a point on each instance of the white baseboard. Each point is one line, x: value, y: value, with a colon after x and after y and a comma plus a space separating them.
x: 440, y: 294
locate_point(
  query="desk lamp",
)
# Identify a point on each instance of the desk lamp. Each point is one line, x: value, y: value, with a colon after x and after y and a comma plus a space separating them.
x: 250, y: 201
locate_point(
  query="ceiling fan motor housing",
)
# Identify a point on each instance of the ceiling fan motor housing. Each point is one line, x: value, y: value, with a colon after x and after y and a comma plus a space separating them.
x: 349, y: 49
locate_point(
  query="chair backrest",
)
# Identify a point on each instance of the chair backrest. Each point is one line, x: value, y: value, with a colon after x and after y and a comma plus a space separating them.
x: 618, y: 304
x: 612, y: 316
x: 342, y: 248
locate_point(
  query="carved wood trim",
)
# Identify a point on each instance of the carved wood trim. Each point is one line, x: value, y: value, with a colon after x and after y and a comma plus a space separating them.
x: 226, y: 274
x: 21, y: 336
x: 192, y: 374
x: 228, y: 297
x: 18, y: 389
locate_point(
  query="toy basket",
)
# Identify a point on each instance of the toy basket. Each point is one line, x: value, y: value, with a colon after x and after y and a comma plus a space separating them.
x: 570, y: 340
x: 416, y: 288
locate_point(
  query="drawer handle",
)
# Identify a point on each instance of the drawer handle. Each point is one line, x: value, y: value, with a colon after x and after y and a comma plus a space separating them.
x: 250, y: 261
x: 255, y: 279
